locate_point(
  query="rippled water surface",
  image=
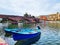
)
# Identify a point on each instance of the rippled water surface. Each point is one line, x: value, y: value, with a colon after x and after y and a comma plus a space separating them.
x: 49, y: 36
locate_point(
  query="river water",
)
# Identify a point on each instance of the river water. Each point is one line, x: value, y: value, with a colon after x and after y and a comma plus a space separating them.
x: 49, y: 36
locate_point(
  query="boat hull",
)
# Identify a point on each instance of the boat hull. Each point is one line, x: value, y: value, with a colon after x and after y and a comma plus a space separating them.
x: 25, y: 36
x: 29, y: 41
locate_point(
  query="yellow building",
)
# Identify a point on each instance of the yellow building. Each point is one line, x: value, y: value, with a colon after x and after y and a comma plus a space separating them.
x: 54, y: 17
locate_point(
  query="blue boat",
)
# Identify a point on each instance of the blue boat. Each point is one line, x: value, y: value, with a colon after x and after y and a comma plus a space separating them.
x: 27, y: 35
x: 23, y: 33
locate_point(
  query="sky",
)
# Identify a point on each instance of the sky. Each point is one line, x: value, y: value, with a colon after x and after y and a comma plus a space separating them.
x: 33, y: 7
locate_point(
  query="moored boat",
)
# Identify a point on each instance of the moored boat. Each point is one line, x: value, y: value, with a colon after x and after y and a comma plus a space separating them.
x: 27, y: 35
x: 21, y: 34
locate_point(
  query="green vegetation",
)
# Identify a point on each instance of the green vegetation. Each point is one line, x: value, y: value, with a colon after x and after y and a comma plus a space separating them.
x: 26, y: 15
x: 25, y: 25
x: 11, y: 26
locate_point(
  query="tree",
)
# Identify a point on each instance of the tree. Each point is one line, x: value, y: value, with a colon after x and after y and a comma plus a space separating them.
x: 33, y: 16
x: 26, y: 15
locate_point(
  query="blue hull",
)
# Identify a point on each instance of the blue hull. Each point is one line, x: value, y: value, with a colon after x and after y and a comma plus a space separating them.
x: 29, y: 41
x: 24, y: 36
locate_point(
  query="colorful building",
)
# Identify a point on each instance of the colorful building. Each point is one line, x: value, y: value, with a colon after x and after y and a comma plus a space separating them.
x: 43, y: 18
x: 54, y: 17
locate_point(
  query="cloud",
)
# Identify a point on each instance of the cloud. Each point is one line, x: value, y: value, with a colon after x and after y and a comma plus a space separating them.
x: 34, y: 7
x: 57, y: 7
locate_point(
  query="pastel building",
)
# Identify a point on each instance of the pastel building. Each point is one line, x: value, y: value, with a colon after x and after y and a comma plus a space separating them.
x: 54, y: 17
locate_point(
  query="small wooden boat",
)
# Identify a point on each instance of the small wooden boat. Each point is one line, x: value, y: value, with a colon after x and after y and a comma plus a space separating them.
x: 23, y: 33
x: 28, y: 35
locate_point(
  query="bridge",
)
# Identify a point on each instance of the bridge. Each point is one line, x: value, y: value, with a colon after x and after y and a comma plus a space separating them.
x: 18, y: 18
